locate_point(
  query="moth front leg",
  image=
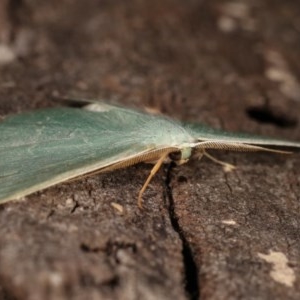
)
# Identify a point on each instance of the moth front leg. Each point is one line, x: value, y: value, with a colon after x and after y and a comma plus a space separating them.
x: 154, y: 170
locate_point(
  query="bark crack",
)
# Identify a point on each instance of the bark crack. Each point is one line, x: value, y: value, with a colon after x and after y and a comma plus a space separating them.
x: 191, y: 284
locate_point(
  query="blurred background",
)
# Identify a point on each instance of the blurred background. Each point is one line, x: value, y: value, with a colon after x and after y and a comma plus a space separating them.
x: 185, y: 59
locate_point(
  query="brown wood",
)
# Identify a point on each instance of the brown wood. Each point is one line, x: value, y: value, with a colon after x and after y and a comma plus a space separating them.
x: 203, y: 233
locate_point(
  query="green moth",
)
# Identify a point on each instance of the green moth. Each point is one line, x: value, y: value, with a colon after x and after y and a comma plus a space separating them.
x: 42, y: 148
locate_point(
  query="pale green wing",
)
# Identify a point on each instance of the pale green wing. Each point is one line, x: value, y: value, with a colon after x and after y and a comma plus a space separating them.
x: 45, y: 147
x: 42, y: 148
x: 204, y: 133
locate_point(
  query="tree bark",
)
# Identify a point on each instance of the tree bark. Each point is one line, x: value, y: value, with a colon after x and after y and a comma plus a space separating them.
x: 203, y: 233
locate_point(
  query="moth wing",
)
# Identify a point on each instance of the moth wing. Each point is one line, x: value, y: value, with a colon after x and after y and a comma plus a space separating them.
x: 42, y: 148
x: 210, y: 135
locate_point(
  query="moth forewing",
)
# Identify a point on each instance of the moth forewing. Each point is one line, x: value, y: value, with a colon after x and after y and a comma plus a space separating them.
x: 45, y: 147
x: 203, y: 133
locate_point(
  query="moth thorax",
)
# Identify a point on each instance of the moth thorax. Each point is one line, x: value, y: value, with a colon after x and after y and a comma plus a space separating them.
x: 181, y: 156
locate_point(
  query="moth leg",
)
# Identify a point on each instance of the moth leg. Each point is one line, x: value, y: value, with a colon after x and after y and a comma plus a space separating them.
x: 199, y: 154
x: 152, y: 173
x: 227, y: 167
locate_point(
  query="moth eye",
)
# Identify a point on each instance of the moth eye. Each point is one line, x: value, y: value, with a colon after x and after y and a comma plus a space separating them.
x: 175, y: 156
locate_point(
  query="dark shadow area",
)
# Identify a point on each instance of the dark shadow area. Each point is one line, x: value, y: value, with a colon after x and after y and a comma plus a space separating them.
x: 265, y: 115
x: 6, y: 295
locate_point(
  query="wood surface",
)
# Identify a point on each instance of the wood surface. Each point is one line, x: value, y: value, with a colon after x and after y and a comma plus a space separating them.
x: 203, y: 233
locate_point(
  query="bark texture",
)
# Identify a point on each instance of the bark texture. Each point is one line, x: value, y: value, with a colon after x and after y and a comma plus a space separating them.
x: 203, y: 233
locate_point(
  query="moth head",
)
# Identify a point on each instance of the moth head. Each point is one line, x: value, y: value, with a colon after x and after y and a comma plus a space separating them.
x: 181, y: 156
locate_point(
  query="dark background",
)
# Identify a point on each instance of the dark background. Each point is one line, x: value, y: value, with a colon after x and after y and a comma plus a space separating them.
x: 203, y: 233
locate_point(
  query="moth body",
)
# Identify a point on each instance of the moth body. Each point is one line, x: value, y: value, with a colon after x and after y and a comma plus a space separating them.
x: 164, y: 132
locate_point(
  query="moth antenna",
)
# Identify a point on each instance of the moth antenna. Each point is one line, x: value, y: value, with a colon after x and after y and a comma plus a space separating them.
x: 227, y: 167
x: 152, y: 173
